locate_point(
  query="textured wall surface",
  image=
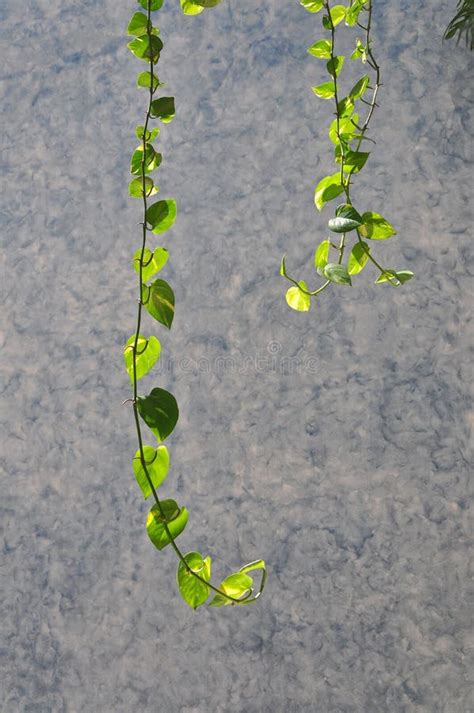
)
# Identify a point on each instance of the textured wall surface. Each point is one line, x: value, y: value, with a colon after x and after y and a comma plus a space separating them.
x: 333, y: 444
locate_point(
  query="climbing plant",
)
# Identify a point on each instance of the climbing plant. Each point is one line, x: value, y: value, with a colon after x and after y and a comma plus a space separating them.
x: 338, y: 262
x: 462, y: 24
x: 158, y: 410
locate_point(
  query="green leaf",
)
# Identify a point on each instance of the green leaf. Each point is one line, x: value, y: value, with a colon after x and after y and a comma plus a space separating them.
x: 158, y: 300
x: 190, y: 8
x: 145, y: 79
x: 347, y: 129
x: 153, y: 262
x: 312, y: 5
x: 160, y: 412
x: 175, y: 517
x: 154, y: 5
x: 157, y: 462
x: 237, y: 585
x: 146, y: 48
x: 135, y: 188
x: 375, y: 227
x: 360, y: 52
x: 345, y: 107
x: 283, y: 267
x: 359, y: 87
x: 325, y: 90
x: 322, y: 254
x: 335, y: 65
x: 337, y: 273
x: 354, y: 161
x: 164, y: 109
x: 149, y: 135
x: 152, y: 159
x: 148, y: 353
x: 327, y: 189
x: 298, y: 300
x: 358, y: 258
x: 138, y: 25
x: 395, y: 277
x: 161, y: 215
x: 353, y: 12
x: 321, y: 49
x: 338, y: 13
x: 207, y: 3
x: 347, y: 218
x: 193, y: 591
x: 252, y: 566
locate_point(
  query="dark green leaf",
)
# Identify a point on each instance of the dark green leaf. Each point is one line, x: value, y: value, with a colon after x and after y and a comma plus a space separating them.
x: 358, y: 258
x: 334, y: 66
x: 347, y: 218
x: 161, y: 215
x: 160, y: 412
x: 157, y: 461
x: 327, y: 189
x: 375, y: 227
x: 175, y: 518
x: 158, y: 300
x: 164, y: 109
x: 193, y: 591
x: 337, y: 273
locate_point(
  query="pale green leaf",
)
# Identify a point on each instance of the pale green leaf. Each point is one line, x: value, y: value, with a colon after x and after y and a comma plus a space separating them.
x: 375, y: 227
x: 135, y: 188
x: 321, y: 49
x: 148, y: 353
x: 157, y: 461
x: 153, y: 262
x: 298, y: 300
x: 325, y: 90
x: 322, y: 254
x: 358, y: 258
x: 327, y: 189
x: 193, y: 590
x: 174, y: 517
x: 237, y: 585
x: 312, y: 5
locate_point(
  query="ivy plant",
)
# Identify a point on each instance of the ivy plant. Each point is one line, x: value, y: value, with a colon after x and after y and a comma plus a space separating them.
x: 344, y: 254
x: 158, y: 410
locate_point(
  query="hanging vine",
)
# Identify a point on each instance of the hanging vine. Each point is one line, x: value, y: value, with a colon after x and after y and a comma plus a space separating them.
x: 158, y: 410
x: 349, y: 135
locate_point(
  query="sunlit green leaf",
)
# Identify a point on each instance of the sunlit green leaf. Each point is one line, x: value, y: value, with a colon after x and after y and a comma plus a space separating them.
x: 359, y: 87
x: 347, y: 218
x: 157, y: 462
x: 150, y: 135
x: 148, y: 353
x: 322, y: 254
x: 321, y: 49
x: 395, y: 277
x: 337, y: 273
x: 138, y: 25
x: 158, y: 300
x: 163, y: 108
x: 175, y: 518
x: 146, y: 48
x: 193, y: 591
x: 145, y: 79
x: 360, y: 52
x: 152, y: 159
x: 338, y: 13
x: 283, y: 267
x: 298, y: 300
x: 190, y: 8
x: 335, y: 65
x: 327, y: 189
x: 135, y: 187
x: 345, y: 107
x: 325, y: 90
x: 160, y: 412
x: 252, y: 566
x: 346, y: 128
x: 153, y: 262
x: 237, y: 585
x: 375, y: 227
x: 207, y: 3
x: 161, y: 215
x: 354, y: 161
x: 154, y: 4
x: 358, y: 258
x: 312, y: 5
x: 353, y: 12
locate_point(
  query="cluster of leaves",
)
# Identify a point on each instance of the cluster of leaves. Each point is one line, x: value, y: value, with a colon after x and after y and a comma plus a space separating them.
x: 159, y: 410
x: 347, y: 133
x: 462, y: 23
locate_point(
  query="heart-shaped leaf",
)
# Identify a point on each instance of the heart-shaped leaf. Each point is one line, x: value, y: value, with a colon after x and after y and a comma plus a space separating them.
x: 158, y: 300
x: 193, y: 590
x: 375, y: 227
x: 174, y: 517
x: 298, y: 300
x: 153, y: 262
x: 321, y: 255
x: 161, y: 215
x: 327, y: 189
x: 347, y: 218
x: 157, y: 461
x: 337, y: 273
x: 163, y: 108
x: 237, y: 585
x: 358, y: 258
x: 160, y: 412
x: 148, y: 353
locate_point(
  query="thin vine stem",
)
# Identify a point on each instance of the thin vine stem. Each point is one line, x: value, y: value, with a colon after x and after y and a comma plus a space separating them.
x: 246, y: 599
